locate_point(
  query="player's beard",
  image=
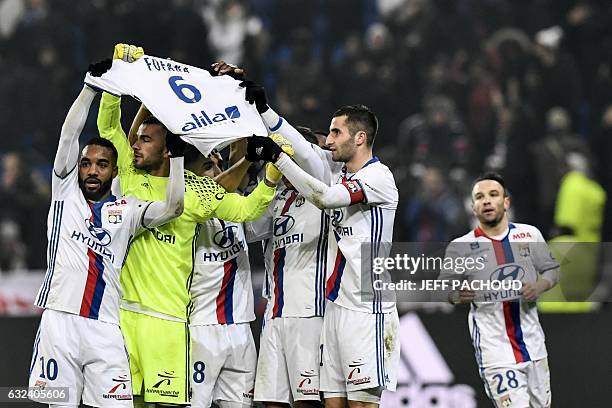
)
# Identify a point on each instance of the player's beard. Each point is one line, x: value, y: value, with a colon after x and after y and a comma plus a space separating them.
x: 499, y: 216
x: 150, y: 163
x: 344, y: 152
x: 96, y: 195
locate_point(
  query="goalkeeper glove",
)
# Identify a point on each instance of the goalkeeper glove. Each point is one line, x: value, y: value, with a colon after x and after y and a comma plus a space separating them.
x: 273, y: 174
x: 283, y: 143
x: 127, y: 52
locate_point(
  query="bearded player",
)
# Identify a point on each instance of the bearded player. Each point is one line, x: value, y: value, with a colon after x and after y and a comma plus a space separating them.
x: 79, y: 343
x: 158, y: 273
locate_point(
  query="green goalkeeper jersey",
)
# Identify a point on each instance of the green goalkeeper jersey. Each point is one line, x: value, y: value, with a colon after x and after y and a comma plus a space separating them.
x: 159, y: 266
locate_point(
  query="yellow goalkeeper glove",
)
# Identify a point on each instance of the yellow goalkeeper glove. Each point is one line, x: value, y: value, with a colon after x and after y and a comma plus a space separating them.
x: 283, y: 143
x: 127, y: 52
x: 272, y: 172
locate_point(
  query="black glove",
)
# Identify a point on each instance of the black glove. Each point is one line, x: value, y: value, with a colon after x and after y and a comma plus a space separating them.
x: 255, y: 93
x: 100, y: 68
x: 262, y: 148
x: 175, y: 145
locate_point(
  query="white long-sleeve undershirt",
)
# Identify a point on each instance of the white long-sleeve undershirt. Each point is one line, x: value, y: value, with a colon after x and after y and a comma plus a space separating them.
x: 315, y: 191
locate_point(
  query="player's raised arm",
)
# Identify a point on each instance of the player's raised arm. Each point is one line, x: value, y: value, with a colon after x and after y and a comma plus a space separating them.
x: 141, y: 115
x: 67, y: 154
x: 160, y: 212
x: 231, y: 178
x: 109, y: 127
x: 109, y: 113
x: 308, y: 156
x: 315, y: 191
x: 216, y: 202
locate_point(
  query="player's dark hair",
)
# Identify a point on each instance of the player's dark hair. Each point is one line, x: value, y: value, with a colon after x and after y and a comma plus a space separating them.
x: 99, y: 141
x: 360, y: 118
x: 308, y: 134
x: 152, y: 120
x: 495, y: 177
x: 192, y: 154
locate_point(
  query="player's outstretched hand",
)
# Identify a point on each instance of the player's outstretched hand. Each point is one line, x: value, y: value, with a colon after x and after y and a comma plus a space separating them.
x: 175, y: 145
x: 127, y: 52
x: 531, y: 291
x: 224, y: 68
x: 256, y: 94
x: 462, y: 297
x: 99, y: 68
x: 262, y: 148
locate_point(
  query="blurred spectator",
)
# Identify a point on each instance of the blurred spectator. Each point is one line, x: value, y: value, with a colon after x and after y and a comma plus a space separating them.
x: 302, y: 93
x: 229, y: 26
x: 603, y: 147
x: 436, y: 135
x: 557, y: 79
x: 25, y: 196
x: 550, y: 162
x: 580, y: 202
x: 12, y: 248
x: 434, y: 212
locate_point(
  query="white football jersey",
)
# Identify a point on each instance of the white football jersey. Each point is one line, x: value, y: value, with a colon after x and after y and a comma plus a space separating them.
x: 296, y: 257
x: 87, y: 244
x: 366, y: 225
x: 505, y: 332
x: 221, y: 287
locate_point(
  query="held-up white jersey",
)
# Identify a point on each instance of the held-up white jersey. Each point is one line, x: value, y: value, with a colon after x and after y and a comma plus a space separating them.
x: 221, y: 286
x: 366, y: 225
x: 87, y: 244
x: 506, y: 332
x: 296, y: 257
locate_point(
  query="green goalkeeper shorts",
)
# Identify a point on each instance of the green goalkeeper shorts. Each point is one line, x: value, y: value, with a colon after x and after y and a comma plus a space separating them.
x: 159, y: 357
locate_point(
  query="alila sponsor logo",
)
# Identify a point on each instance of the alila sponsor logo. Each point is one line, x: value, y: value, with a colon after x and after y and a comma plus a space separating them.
x: 355, y: 372
x: 203, y: 119
x: 165, y: 380
x: 120, y: 390
x: 305, y: 386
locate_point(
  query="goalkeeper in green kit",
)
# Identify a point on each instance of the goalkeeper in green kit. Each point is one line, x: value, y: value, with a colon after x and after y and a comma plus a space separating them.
x: 157, y: 273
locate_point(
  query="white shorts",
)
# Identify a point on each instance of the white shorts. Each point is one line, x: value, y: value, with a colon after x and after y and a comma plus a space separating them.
x: 223, y: 361
x: 360, y: 350
x: 289, y: 360
x: 519, y: 385
x: 85, y: 355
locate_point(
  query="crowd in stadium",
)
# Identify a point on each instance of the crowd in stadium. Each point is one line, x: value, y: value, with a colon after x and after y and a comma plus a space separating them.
x: 522, y: 87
